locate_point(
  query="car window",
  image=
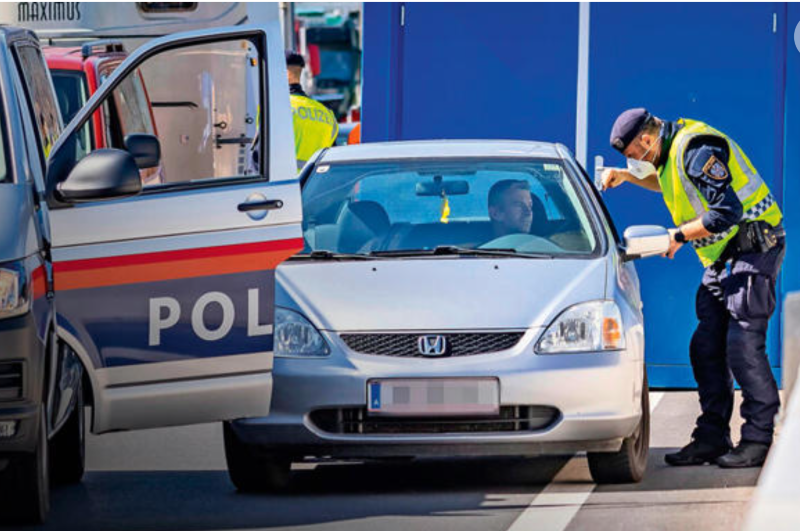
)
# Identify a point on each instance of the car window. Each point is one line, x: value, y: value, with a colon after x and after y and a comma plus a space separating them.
x: 39, y: 91
x: 201, y: 102
x: 72, y: 92
x: 527, y: 206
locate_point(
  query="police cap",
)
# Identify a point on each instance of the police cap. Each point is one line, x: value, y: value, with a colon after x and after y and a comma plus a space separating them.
x: 627, y: 126
x: 294, y: 59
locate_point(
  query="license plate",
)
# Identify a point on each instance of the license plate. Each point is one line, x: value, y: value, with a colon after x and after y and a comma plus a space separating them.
x: 434, y: 397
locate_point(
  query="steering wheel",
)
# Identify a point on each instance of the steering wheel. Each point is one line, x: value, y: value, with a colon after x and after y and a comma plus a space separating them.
x: 523, y: 243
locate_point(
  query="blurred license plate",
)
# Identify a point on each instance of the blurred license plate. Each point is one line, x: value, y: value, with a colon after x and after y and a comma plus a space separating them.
x: 441, y: 396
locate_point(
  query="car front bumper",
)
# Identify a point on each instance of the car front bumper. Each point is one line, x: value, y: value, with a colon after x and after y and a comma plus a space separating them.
x: 21, y: 344
x: 597, y: 395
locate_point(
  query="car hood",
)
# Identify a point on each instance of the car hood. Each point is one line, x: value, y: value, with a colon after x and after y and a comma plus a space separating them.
x: 437, y: 294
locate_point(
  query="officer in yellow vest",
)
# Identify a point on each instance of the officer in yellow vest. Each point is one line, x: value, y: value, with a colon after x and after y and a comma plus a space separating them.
x: 722, y: 207
x: 315, y: 126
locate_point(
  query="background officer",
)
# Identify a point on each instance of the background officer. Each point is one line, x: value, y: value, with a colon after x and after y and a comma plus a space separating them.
x: 315, y: 125
x: 722, y: 207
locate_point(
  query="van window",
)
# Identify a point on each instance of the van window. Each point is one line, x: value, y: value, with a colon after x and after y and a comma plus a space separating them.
x: 72, y: 91
x: 202, y: 103
x: 166, y: 7
x: 39, y: 89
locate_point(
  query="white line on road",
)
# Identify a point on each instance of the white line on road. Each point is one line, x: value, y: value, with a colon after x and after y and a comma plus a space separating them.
x: 555, y: 507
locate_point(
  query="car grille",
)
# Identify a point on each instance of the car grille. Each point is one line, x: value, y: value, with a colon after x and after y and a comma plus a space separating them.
x: 407, y: 345
x: 10, y: 381
x: 512, y: 419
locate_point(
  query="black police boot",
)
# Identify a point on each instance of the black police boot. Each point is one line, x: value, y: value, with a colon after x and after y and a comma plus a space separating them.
x: 747, y: 454
x: 696, y: 453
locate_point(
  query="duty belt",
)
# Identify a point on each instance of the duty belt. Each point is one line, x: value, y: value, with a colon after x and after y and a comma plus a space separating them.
x: 751, y: 215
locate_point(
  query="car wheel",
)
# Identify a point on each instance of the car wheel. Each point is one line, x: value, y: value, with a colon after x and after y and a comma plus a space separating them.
x: 252, y: 470
x: 68, y: 446
x: 629, y: 463
x: 29, y: 496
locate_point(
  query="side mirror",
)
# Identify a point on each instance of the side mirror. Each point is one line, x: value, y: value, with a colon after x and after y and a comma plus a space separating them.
x: 145, y: 148
x: 642, y: 241
x: 102, y: 174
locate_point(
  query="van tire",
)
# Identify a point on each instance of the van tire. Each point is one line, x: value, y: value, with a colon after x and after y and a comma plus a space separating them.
x: 628, y: 465
x: 29, y: 497
x: 68, y: 446
x: 252, y: 470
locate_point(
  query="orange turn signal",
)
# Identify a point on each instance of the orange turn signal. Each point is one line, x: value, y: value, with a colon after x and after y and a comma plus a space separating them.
x: 612, y: 334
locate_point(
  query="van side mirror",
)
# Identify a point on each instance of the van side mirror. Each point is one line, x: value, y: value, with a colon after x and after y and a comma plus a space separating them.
x: 145, y: 148
x: 102, y: 174
x: 642, y: 241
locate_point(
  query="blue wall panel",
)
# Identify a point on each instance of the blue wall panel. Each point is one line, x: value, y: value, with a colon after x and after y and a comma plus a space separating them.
x: 472, y: 70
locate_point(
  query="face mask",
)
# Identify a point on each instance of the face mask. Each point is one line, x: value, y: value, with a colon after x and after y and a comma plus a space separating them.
x: 642, y: 169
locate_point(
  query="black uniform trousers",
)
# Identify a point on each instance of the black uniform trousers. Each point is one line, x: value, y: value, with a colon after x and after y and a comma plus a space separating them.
x: 734, y: 304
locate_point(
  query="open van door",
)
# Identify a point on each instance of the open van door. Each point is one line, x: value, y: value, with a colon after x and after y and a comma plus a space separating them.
x: 166, y: 290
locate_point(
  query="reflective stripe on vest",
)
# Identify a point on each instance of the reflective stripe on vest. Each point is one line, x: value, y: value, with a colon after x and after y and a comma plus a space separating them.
x: 751, y: 215
x: 685, y: 202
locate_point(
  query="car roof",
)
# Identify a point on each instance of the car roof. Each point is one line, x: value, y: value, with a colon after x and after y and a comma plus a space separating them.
x: 438, y: 149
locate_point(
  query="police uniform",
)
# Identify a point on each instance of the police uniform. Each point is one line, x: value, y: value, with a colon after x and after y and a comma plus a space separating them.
x: 704, y: 173
x: 315, y: 125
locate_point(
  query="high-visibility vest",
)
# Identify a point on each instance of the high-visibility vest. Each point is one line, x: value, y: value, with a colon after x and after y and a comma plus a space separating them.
x: 685, y: 202
x: 315, y: 127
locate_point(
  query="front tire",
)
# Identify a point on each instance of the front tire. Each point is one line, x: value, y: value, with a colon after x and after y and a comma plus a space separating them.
x: 251, y: 470
x: 68, y: 447
x: 630, y: 462
x: 29, y: 499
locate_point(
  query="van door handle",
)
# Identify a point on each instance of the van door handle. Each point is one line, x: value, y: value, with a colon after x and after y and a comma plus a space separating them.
x: 269, y: 204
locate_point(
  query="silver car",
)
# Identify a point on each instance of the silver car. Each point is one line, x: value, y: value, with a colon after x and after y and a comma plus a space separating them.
x: 454, y: 298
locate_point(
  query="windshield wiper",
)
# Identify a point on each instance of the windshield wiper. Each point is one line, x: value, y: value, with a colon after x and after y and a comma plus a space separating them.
x: 452, y: 250
x: 330, y: 255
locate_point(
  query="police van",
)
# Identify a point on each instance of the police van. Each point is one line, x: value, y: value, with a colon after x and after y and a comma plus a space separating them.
x: 151, y: 302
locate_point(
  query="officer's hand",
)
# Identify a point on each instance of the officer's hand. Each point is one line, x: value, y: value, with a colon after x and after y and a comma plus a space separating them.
x: 613, y: 178
x: 673, y: 245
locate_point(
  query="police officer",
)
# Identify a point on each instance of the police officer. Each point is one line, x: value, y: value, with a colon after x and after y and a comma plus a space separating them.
x: 315, y: 125
x: 722, y: 208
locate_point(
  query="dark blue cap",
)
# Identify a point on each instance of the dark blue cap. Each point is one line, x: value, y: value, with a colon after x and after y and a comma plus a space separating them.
x: 627, y: 126
x: 294, y: 59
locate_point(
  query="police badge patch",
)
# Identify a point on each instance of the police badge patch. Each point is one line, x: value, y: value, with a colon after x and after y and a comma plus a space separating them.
x: 715, y: 169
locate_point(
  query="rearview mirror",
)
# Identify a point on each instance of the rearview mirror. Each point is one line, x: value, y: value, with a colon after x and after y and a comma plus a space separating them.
x: 145, y: 148
x: 642, y: 241
x: 439, y: 188
x: 102, y: 174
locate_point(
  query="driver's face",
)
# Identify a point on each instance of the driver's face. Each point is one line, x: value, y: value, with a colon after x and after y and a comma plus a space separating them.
x: 515, y: 211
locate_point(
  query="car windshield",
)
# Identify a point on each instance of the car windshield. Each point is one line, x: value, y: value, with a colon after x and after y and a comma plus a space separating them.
x: 526, y: 207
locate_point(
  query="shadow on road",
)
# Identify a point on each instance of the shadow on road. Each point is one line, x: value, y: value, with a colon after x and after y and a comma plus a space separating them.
x: 662, y: 477
x: 200, y: 501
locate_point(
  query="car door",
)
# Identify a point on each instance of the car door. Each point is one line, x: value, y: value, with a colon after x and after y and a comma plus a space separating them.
x: 167, y: 295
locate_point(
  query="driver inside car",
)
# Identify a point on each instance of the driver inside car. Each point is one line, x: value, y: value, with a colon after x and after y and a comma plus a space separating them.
x: 510, y: 207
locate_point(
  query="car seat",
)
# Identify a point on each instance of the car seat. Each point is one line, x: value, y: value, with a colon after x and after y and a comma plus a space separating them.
x: 360, y: 223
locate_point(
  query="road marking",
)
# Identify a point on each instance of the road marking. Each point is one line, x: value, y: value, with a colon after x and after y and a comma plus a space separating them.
x: 558, y: 503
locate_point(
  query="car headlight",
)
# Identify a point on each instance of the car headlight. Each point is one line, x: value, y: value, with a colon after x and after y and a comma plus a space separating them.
x: 295, y: 337
x: 586, y: 327
x: 14, y: 299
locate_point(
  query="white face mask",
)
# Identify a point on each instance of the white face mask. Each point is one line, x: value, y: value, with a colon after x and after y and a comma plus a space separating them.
x: 641, y: 169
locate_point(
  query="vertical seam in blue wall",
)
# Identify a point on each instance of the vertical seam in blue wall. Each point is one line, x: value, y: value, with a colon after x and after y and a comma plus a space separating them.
x: 397, y: 75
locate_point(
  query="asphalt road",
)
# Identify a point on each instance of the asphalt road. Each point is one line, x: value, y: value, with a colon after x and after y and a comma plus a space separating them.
x: 175, y: 479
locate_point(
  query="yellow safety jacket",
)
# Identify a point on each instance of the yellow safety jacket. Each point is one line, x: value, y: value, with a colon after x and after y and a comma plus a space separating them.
x: 686, y: 203
x: 315, y: 127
